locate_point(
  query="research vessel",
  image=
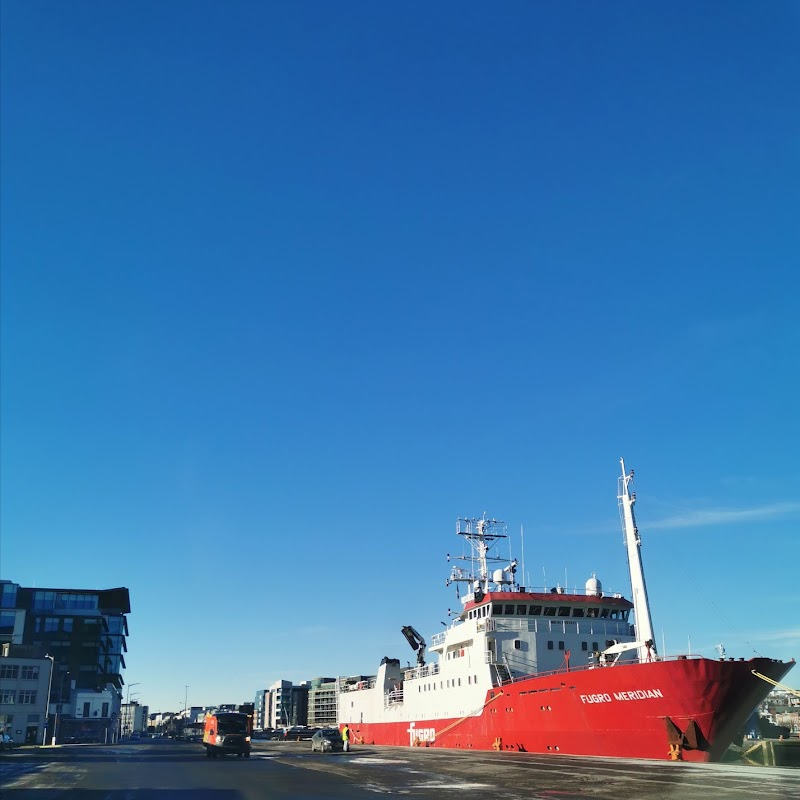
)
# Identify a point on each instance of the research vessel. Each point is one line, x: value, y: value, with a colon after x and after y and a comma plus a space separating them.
x: 554, y: 671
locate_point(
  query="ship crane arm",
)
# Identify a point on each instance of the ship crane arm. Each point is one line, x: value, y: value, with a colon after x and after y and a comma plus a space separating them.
x: 610, y: 654
x: 414, y: 638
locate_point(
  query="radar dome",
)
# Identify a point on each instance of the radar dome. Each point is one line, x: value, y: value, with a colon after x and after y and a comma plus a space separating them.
x: 497, y: 576
x: 593, y: 587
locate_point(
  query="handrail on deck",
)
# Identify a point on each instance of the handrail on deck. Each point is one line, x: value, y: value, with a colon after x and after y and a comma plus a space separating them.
x: 597, y: 665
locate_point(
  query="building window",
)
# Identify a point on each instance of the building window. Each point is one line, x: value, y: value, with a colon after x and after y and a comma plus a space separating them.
x: 67, y: 623
x: 44, y: 600
x: 8, y: 597
x: 7, y: 619
x: 71, y: 600
x: 86, y: 709
x: 7, y: 697
x: 27, y: 697
x: 105, y: 709
x: 9, y: 671
x: 30, y: 673
x: 33, y: 718
x: 517, y: 644
x: 50, y: 624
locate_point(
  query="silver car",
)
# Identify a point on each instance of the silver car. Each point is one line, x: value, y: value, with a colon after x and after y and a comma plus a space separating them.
x: 326, y: 740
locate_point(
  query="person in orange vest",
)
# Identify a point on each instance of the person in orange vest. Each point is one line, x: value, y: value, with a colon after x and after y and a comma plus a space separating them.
x: 345, y: 738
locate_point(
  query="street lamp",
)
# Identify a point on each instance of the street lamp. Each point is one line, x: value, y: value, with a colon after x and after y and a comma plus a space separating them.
x: 130, y: 686
x: 47, y: 705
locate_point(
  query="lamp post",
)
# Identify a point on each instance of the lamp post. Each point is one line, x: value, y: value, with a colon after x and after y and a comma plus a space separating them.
x: 47, y: 705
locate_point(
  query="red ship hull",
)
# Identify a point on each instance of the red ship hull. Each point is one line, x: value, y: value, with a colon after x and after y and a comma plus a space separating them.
x: 687, y: 708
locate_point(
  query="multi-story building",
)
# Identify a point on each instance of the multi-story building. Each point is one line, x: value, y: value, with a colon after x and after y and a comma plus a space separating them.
x: 25, y: 677
x: 84, y: 631
x: 288, y: 705
x: 133, y: 718
x: 260, y: 710
x: 323, y: 702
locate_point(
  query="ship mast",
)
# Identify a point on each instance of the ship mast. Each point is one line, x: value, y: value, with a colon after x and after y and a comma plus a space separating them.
x: 481, y: 535
x: 633, y: 543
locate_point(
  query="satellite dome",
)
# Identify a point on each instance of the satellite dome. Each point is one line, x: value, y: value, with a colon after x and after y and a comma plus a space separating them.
x: 593, y: 587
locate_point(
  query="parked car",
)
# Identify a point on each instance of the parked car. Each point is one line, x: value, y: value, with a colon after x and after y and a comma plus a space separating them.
x: 326, y: 740
x: 299, y: 733
x: 6, y: 742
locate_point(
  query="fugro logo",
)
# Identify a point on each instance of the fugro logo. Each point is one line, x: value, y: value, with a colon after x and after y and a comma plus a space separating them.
x: 416, y: 734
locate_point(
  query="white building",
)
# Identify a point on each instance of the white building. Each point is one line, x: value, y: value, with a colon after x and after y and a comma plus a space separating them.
x: 25, y: 679
x: 133, y: 718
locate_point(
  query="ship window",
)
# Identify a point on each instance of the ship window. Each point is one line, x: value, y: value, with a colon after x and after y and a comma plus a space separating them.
x: 459, y: 681
x: 509, y: 611
x: 535, y: 611
x: 469, y: 678
x: 584, y: 645
x: 561, y: 645
x: 522, y: 611
x: 625, y: 615
x: 604, y: 612
x: 595, y: 648
x: 577, y: 612
x: 497, y: 609
x: 592, y: 612
x: 549, y: 611
x: 563, y: 611
x: 517, y: 644
x: 549, y: 644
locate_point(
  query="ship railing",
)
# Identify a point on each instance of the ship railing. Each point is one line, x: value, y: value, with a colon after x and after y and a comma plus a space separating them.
x: 438, y: 639
x: 595, y: 665
x: 393, y: 697
x: 360, y: 685
x: 607, y: 628
x: 424, y: 671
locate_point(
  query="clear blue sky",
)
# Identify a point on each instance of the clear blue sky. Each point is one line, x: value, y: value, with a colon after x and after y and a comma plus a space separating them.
x: 288, y: 287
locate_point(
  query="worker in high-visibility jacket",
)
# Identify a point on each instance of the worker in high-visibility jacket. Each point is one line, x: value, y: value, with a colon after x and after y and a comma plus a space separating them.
x: 345, y: 738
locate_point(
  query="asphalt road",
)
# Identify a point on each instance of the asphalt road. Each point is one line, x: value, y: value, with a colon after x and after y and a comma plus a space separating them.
x: 167, y: 770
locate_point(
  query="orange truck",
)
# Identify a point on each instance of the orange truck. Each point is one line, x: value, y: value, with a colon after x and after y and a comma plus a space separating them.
x: 227, y: 732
